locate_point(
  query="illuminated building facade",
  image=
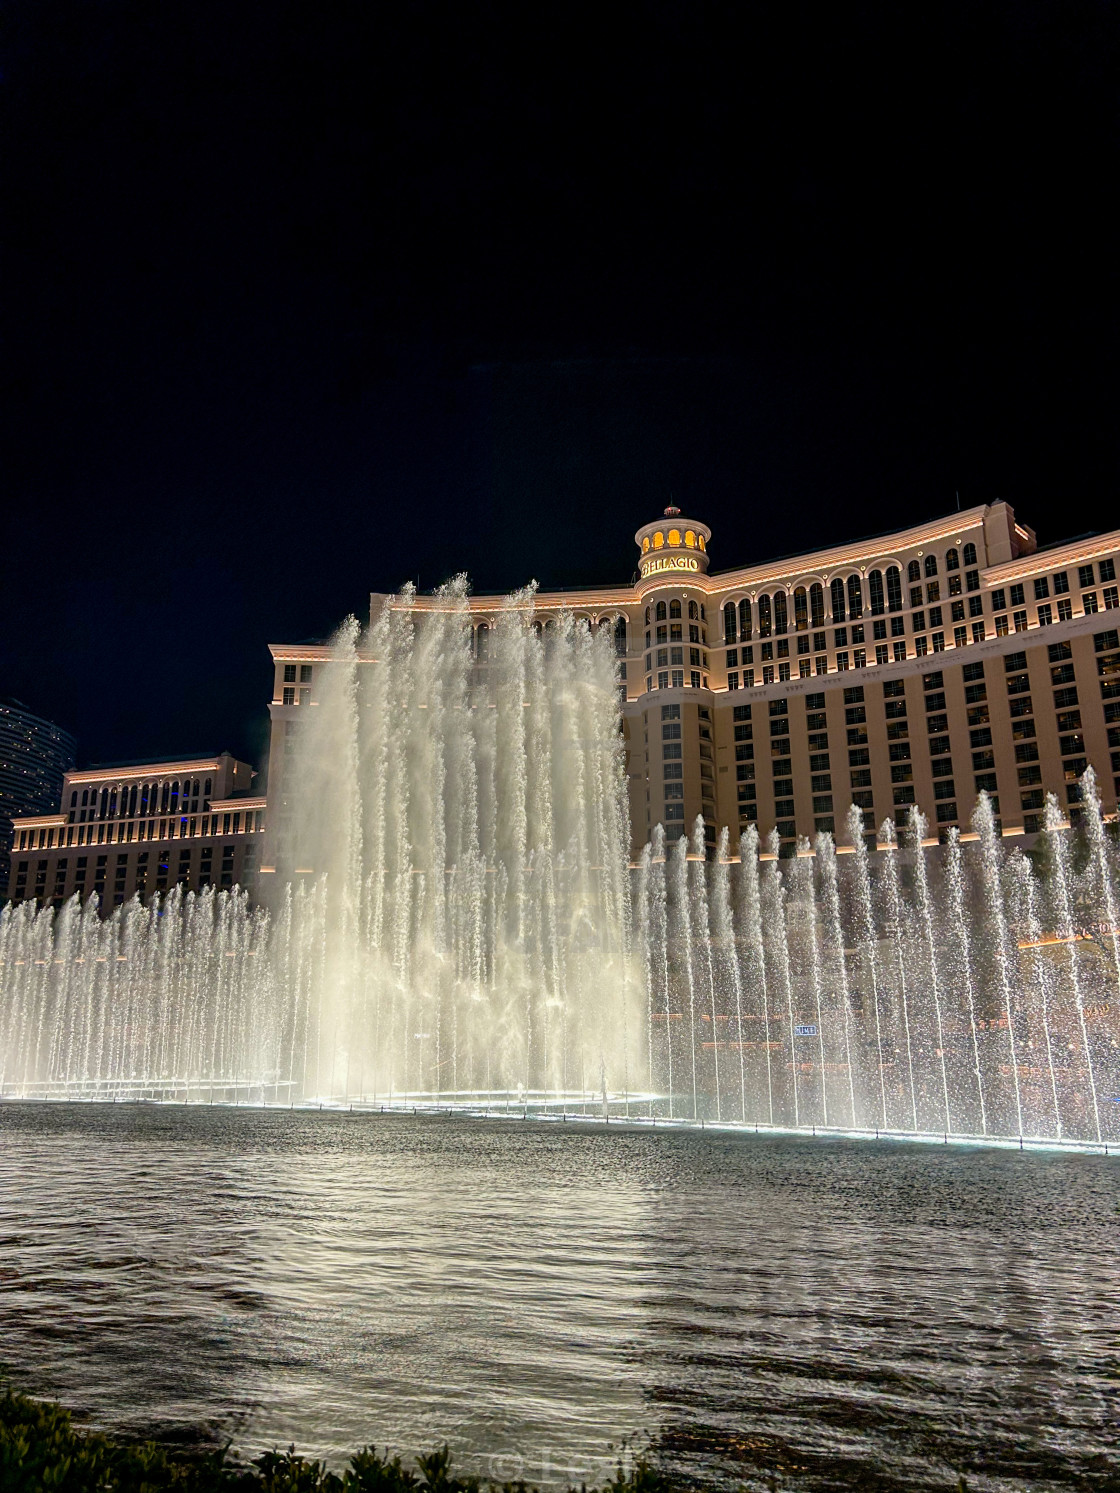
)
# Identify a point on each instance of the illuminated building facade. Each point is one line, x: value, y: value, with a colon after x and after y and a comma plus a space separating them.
x: 918, y: 667
x: 142, y: 827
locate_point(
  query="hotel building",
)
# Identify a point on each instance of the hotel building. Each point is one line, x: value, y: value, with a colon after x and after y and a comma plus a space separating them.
x: 917, y: 667
x: 142, y: 827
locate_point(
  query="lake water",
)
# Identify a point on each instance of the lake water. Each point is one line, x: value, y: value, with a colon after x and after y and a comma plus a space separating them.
x: 822, y: 1313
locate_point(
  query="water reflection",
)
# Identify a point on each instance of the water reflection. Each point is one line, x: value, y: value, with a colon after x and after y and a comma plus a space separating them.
x: 819, y: 1312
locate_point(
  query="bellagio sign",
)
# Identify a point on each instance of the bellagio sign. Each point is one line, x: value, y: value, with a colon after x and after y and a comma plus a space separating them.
x: 669, y: 562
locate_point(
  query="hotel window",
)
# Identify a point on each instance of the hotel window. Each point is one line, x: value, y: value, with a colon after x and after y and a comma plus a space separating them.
x: 732, y: 658
x: 977, y: 632
x: 841, y: 660
x: 764, y: 623
x: 821, y: 665
x: 970, y: 554
x: 916, y: 596
x: 836, y: 593
x: 676, y: 632
x: 933, y: 591
x: 663, y: 679
x: 748, y: 678
x: 859, y: 658
x: 662, y: 657
x: 1085, y: 575
x: 955, y: 585
x: 305, y: 673
x: 678, y: 679
x: 894, y: 589
x: 875, y: 593
x: 675, y: 606
x: 939, y: 642
x: 1089, y: 603
x: 1111, y: 600
x: 840, y: 637
x: 855, y: 597
x: 935, y: 616
x: 919, y: 621
x: 898, y: 627
x: 733, y: 681
x: 878, y: 630
x: 676, y: 655
x: 289, y: 697
x: 695, y: 677
x: 900, y: 653
x: 816, y: 606
x: 972, y: 580
x: 1041, y: 588
x: 768, y: 674
x: 804, y: 669
x: 931, y: 565
x: 1020, y: 621
x: 1107, y: 570
x: 956, y: 611
x: 1061, y: 583
x: 952, y: 560
x: 745, y: 626
x: 1045, y: 615
x: 800, y: 611
x: 289, y: 673
x: 783, y: 672
x: 803, y: 644
x: 975, y: 606
x: 1065, y: 609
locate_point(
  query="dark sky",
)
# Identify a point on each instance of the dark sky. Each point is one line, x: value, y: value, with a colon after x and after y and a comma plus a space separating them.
x: 300, y: 302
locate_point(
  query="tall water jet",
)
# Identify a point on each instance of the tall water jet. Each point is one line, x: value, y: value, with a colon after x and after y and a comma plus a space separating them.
x: 865, y: 934
x: 924, y: 908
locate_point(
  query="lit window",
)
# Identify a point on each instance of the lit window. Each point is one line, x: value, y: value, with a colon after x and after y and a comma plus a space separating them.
x: 645, y: 544
x: 674, y: 536
x: 690, y: 539
x: 658, y: 540
x: 700, y: 541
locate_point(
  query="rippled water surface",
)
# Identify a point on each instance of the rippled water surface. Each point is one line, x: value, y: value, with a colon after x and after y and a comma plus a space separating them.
x: 822, y: 1313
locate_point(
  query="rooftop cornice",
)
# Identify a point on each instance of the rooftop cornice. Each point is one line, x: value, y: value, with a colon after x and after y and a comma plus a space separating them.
x: 144, y: 770
x: 1042, y: 561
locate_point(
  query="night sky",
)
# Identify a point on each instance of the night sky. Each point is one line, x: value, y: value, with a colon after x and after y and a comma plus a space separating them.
x: 303, y: 302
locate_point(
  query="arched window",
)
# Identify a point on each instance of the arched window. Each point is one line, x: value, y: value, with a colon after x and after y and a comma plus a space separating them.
x: 931, y: 565
x: 780, y: 614
x: 482, y: 642
x: 645, y: 544
x: 855, y: 597
x: 970, y: 554
x: 816, y: 604
x: 674, y: 536
x: 661, y: 611
x: 175, y: 797
x: 894, y: 589
x: 209, y: 788
x: 875, y: 593
x: 538, y: 628
x: 693, y: 611
x: 620, y: 636
x: 700, y: 541
x: 914, y: 571
x: 647, y: 616
x: 837, y: 593
x: 745, y: 619
x: 690, y: 538
x: 800, y: 609
x: 674, y: 608
x: 658, y: 540
x: 729, y: 622
x: 164, y: 795
x: 763, y: 616
x: 952, y: 560
x: 132, y: 800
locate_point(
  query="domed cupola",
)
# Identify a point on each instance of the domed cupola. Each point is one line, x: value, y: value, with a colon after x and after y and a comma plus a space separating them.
x: 673, y: 544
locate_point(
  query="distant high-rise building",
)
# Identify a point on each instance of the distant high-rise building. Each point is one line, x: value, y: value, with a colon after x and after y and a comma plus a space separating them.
x: 34, y: 756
